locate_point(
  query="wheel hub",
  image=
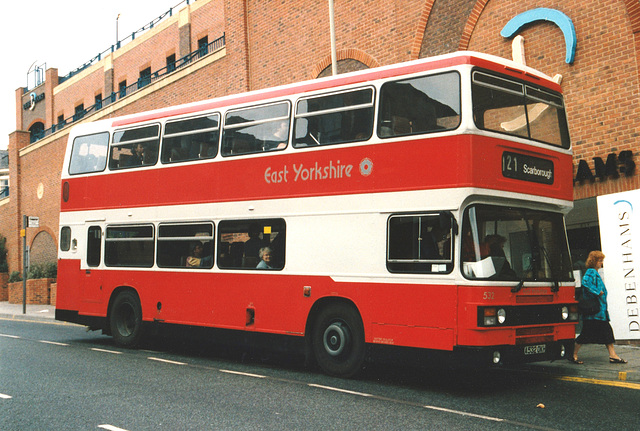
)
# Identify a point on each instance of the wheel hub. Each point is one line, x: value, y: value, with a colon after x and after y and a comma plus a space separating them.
x: 336, y: 338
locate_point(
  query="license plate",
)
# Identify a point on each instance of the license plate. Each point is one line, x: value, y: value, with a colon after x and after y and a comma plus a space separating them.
x: 535, y: 350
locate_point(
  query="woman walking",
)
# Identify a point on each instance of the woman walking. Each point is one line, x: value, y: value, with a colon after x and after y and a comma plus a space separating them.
x: 596, y: 328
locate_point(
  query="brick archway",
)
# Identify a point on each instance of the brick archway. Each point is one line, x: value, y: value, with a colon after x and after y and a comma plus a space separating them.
x: 43, y: 247
x: 345, y: 54
x: 471, y: 24
x: 633, y: 11
x: 421, y: 27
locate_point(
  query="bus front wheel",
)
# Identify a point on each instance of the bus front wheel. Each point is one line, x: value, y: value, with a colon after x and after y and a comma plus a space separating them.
x: 338, y: 340
x: 126, y: 319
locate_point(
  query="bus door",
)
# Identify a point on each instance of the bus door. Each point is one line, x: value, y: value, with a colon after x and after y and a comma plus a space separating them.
x: 92, y: 286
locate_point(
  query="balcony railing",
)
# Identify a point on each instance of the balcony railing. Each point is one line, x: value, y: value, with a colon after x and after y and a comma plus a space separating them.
x: 139, y: 84
x: 121, y: 42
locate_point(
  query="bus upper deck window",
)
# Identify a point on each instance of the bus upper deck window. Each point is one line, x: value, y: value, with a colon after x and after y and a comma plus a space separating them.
x: 89, y: 154
x: 135, y: 147
x: 256, y: 129
x: 334, y: 118
x: 419, y: 105
x: 504, y: 105
x: 191, y: 139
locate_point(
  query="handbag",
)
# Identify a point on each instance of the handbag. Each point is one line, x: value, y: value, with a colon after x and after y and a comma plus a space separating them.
x: 588, y: 304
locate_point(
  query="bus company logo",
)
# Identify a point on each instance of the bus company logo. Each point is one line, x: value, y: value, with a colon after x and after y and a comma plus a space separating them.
x: 316, y: 172
x: 366, y: 167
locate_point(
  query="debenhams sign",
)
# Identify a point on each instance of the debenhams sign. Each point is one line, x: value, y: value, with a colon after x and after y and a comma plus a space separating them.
x: 613, y: 167
x: 33, y: 100
x: 619, y: 218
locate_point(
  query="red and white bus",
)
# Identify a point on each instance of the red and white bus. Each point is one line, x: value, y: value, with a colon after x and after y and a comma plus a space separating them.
x: 418, y: 205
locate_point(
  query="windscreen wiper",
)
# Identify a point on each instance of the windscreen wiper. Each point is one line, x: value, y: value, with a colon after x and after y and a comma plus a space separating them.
x: 556, y: 284
x: 518, y: 286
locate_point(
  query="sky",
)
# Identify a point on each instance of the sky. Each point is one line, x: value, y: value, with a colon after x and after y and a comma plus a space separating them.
x: 64, y: 35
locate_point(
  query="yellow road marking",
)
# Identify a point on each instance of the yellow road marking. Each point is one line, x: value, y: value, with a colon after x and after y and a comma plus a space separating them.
x: 619, y: 384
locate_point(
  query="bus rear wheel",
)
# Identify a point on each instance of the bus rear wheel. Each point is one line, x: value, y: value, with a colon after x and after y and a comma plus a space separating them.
x: 126, y: 319
x: 338, y: 340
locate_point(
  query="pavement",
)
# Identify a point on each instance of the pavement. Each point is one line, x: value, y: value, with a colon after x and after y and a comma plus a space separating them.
x: 596, y: 358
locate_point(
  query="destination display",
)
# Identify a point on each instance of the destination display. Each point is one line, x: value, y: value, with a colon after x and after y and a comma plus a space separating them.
x: 527, y: 168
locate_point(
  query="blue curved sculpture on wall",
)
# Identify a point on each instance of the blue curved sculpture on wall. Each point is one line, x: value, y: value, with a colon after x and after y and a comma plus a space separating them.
x: 543, y: 14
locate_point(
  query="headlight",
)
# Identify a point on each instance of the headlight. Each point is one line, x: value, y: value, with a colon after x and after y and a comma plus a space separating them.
x: 493, y: 316
x: 565, y: 312
x: 502, y: 316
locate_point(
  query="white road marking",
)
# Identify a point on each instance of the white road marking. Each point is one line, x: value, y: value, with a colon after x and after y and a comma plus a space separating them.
x: 55, y: 343
x: 5, y: 397
x: 9, y: 336
x: 167, y: 361
x: 111, y: 428
x: 113, y: 352
x: 340, y: 390
x: 457, y: 412
x: 243, y: 374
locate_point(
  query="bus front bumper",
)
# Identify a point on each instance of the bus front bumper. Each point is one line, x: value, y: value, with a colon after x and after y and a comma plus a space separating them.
x: 518, y: 354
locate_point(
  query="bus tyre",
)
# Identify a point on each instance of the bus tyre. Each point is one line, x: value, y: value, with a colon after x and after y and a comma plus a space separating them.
x: 126, y: 319
x: 338, y: 340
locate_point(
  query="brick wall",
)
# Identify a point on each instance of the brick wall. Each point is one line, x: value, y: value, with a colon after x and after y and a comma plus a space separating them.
x: 76, y: 91
x: 4, y: 286
x: 39, y: 193
x: 287, y: 39
x: 53, y: 290
x: 206, y: 20
x: 444, y: 26
x: 152, y: 52
x: 38, y: 291
x: 6, y: 222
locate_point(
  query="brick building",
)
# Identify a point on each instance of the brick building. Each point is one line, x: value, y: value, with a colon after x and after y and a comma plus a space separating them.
x: 211, y: 48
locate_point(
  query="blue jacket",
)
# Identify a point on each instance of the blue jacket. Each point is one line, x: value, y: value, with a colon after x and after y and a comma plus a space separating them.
x: 592, y: 284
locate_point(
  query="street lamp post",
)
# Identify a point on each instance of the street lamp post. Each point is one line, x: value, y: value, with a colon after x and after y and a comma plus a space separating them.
x: 332, y: 28
x: 117, y: 38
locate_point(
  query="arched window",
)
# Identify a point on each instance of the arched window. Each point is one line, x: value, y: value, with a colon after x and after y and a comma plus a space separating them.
x: 36, y: 131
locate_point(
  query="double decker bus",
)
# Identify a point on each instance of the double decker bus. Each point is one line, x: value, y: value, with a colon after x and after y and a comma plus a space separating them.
x: 418, y: 205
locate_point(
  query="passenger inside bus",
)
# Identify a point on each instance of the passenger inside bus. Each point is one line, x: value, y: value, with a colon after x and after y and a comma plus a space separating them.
x: 429, y: 245
x: 279, y: 137
x: 253, y: 245
x: 493, y: 246
x: 137, y: 156
x: 198, y: 258
x: 265, y: 259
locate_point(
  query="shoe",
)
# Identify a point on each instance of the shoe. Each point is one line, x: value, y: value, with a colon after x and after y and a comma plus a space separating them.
x: 617, y: 361
x: 575, y: 360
